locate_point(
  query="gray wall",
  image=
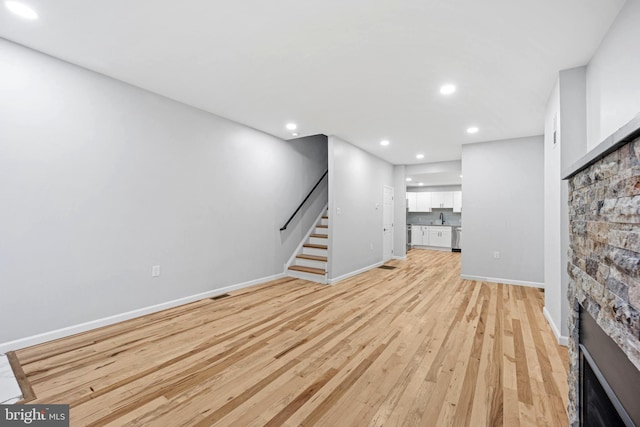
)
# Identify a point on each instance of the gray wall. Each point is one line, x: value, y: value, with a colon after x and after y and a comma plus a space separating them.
x: 356, y: 182
x: 433, y: 167
x: 553, y: 267
x: 503, y: 210
x: 100, y: 180
x: 566, y: 110
x: 613, y: 89
x: 435, y: 188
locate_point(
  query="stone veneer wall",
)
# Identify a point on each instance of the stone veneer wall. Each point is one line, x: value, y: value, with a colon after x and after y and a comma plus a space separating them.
x: 604, y: 255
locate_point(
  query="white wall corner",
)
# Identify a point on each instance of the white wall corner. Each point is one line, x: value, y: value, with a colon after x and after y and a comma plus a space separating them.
x: 562, y: 340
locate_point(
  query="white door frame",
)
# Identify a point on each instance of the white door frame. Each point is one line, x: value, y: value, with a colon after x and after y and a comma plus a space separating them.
x: 391, y: 213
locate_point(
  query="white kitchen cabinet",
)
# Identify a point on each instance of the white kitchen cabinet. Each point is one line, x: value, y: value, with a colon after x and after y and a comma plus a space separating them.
x: 442, y: 200
x: 423, y: 202
x: 419, y: 202
x: 411, y: 202
x: 419, y: 236
x: 457, y: 201
x: 440, y: 237
x: 431, y: 235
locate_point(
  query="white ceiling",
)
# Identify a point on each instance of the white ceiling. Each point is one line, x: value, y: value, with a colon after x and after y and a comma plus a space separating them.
x: 364, y: 70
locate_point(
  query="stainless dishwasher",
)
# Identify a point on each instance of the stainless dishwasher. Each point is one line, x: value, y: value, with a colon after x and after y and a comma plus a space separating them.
x: 456, y: 239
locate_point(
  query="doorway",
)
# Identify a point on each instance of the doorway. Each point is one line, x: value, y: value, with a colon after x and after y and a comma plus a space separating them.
x: 387, y: 224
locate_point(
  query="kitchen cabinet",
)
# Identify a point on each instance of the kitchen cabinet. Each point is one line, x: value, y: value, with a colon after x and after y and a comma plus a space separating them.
x: 419, y: 236
x: 411, y: 202
x: 442, y: 200
x: 440, y: 237
x: 419, y: 202
x: 457, y: 201
x: 430, y: 235
x: 423, y: 202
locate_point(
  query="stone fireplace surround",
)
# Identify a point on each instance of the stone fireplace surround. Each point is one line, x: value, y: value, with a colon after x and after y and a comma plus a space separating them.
x: 604, y: 250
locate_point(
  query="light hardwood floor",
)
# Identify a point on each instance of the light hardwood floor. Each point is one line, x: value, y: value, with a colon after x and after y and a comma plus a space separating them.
x: 415, y: 345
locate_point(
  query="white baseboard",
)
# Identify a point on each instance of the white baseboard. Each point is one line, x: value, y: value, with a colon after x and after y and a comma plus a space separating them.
x: 98, y: 323
x: 505, y: 281
x: 355, y: 273
x: 562, y: 340
x: 401, y: 258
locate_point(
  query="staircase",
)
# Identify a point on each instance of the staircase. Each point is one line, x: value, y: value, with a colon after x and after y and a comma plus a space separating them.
x: 310, y: 263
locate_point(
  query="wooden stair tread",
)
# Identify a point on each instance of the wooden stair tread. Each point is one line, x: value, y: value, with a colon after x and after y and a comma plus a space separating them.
x: 311, y: 245
x: 325, y: 217
x: 312, y: 257
x: 308, y: 269
x: 320, y: 236
x: 322, y: 226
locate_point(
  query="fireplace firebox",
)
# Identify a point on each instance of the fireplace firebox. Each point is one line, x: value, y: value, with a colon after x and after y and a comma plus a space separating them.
x: 609, y: 382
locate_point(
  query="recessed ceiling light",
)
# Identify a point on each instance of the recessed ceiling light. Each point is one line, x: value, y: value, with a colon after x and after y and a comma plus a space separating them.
x: 21, y: 10
x: 294, y: 134
x: 421, y: 183
x: 447, y: 89
x: 292, y: 126
x: 384, y: 142
x: 408, y: 179
x: 420, y: 156
x: 472, y: 129
x: 460, y: 176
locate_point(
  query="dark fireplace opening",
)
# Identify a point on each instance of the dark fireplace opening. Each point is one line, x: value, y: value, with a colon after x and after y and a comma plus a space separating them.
x: 599, y: 405
x: 609, y: 382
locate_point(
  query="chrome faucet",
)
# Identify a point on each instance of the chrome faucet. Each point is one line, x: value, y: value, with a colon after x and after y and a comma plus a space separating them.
x: 442, y: 217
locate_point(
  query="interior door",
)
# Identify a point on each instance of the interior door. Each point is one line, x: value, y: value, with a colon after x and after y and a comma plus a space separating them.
x: 387, y: 224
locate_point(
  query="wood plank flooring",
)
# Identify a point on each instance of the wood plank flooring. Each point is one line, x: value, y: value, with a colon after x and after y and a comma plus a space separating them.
x: 415, y: 345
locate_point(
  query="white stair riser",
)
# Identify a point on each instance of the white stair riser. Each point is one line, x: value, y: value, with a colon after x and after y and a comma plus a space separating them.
x: 308, y: 276
x: 314, y: 251
x: 324, y: 221
x: 318, y: 241
x: 311, y: 263
x: 320, y: 230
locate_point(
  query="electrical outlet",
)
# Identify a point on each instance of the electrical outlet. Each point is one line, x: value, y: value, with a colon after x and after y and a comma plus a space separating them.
x: 338, y: 211
x: 371, y: 245
x: 155, y: 271
x: 496, y: 255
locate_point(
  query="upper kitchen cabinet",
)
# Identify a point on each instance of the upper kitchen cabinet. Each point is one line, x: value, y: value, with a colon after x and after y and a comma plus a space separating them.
x: 411, y: 202
x: 423, y: 202
x: 442, y: 200
x: 457, y: 201
x: 419, y: 202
